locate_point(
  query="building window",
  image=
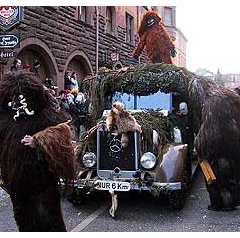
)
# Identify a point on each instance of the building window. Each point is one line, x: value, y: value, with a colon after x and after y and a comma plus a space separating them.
x: 168, y: 16
x: 153, y: 8
x: 83, y: 14
x: 129, y: 29
x: 109, y: 20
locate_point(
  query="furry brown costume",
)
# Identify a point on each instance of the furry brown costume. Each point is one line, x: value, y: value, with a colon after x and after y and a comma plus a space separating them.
x: 121, y: 118
x: 31, y: 175
x: 159, y: 46
x: 218, y: 140
x: 120, y: 121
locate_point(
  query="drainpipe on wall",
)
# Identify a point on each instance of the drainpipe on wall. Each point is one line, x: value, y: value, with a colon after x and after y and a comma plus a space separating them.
x: 97, y: 37
x: 139, y: 59
x: 138, y: 24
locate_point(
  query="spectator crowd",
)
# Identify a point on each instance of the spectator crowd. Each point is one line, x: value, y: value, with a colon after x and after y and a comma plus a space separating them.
x: 71, y: 100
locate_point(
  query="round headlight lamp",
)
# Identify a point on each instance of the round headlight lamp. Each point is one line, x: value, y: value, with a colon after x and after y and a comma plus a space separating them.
x: 148, y: 160
x: 89, y: 159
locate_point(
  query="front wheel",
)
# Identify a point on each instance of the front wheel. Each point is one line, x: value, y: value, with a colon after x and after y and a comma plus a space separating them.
x: 177, y: 199
x: 78, y: 196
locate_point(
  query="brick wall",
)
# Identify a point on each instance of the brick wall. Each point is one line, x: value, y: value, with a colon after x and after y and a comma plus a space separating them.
x: 57, y: 35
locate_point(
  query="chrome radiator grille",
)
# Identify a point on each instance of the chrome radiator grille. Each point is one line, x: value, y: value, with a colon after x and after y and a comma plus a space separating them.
x: 112, y: 155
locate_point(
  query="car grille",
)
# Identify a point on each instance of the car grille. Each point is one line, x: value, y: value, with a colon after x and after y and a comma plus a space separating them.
x: 111, y: 155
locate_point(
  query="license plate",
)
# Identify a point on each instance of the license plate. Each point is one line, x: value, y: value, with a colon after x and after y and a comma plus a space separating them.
x: 112, y: 185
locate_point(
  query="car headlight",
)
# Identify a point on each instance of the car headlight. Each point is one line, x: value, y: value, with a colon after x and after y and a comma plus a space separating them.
x: 89, y: 159
x: 148, y: 160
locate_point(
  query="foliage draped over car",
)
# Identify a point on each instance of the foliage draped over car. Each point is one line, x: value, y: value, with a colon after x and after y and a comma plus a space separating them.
x: 143, y: 79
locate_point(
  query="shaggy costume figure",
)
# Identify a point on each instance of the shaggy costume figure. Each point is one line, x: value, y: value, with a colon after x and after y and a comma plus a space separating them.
x: 121, y: 118
x: 159, y: 46
x: 218, y: 141
x: 120, y: 121
x: 31, y: 174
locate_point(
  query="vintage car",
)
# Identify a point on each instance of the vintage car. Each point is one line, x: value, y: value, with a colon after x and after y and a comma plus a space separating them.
x: 159, y: 159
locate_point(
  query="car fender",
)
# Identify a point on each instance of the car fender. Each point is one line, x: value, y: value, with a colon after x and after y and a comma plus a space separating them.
x: 171, y: 164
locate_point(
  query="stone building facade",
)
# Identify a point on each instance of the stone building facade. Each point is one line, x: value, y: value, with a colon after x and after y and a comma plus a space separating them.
x: 81, y: 39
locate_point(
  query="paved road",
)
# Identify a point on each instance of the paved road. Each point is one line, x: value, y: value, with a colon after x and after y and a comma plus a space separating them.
x: 139, y: 213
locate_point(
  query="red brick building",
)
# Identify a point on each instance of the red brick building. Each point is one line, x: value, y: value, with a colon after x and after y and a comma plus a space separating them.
x: 181, y: 49
x: 230, y: 81
x: 83, y: 39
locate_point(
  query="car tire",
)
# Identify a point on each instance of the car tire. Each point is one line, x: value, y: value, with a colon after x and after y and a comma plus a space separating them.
x: 177, y: 198
x: 77, y: 197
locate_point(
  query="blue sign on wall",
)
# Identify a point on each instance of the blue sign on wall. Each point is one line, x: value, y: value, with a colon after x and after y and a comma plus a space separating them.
x: 10, y: 16
x: 9, y: 41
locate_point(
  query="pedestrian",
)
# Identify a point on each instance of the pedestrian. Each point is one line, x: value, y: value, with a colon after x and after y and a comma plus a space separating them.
x: 35, y: 68
x: 51, y: 87
x: 16, y: 65
x: 67, y: 80
x: 78, y: 108
x: 183, y: 122
x: 26, y: 67
x: 74, y: 81
x: 62, y: 99
x: 49, y: 83
x: 36, y: 151
x: 74, y: 112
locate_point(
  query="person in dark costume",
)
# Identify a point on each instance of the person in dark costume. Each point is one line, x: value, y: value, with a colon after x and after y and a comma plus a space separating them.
x: 35, y: 152
x: 16, y: 65
x: 237, y: 90
x: 218, y: 140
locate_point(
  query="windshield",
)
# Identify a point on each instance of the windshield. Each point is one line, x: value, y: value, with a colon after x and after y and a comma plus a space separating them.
x: 155, y: 101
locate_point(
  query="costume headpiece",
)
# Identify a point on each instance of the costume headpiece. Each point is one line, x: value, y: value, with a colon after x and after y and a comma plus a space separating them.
x: 68, y: 91
x: 74, y: 90
x: 26, y: 66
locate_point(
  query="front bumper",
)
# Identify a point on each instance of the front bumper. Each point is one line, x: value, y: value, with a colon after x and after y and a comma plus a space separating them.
x: 137, y: 184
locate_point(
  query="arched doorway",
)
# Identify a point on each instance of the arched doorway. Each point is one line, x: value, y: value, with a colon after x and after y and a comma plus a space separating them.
x: 77, y: 65
x: 78, y: 62
x: 33, y: 49
x: 33, y: 53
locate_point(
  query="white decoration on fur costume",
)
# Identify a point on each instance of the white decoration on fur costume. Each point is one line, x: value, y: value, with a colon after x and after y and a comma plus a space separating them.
x: 20, y: 109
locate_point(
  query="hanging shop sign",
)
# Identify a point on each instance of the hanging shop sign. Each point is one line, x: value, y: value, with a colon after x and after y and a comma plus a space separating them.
x: 10, y: 16
x: 9, y: 41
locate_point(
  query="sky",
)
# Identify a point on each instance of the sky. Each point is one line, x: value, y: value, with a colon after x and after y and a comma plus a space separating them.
x: 213, y: 34
x: 211, y: 27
